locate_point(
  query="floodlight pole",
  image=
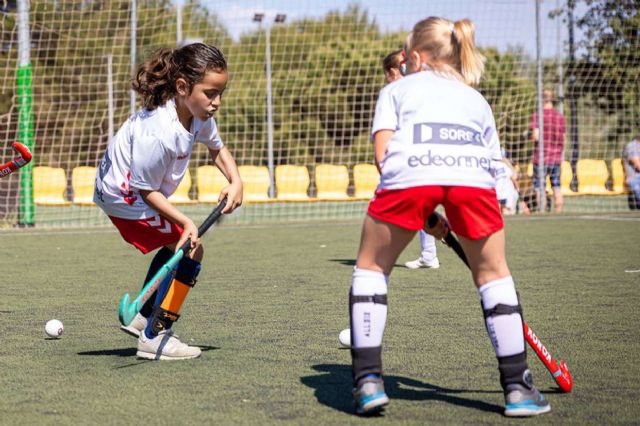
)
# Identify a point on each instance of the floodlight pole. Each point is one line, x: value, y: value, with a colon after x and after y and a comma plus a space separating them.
x: 559, y: 69
x: 269, y: 113
x: 280, y: 18
x: 541, y: 175
x: 573, y: 106
x: 179, y: 23
x: 110, y: 107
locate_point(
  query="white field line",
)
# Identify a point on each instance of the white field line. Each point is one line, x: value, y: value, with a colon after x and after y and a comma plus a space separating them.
x: 312, y: 224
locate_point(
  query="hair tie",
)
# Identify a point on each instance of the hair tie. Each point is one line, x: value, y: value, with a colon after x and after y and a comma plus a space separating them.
x: 452, y: 28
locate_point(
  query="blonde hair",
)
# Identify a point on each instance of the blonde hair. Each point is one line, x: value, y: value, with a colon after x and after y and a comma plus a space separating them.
x: 449, y: 47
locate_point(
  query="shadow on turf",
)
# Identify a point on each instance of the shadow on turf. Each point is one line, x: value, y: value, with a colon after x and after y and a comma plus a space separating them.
x: 126, y: 352
x: 352, y: 262
x: 333, y: 389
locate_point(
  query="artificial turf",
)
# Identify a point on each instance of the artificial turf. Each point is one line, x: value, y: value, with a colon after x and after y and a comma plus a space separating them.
x: 267, y: 310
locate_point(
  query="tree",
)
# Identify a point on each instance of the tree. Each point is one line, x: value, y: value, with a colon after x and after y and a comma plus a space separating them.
x: 609, y: 72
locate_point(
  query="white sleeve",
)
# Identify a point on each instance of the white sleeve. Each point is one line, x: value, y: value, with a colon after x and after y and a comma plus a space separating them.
x: 150, y: 160
x: 491, y: 138
x: 386, y: 117
x: 209, y: 135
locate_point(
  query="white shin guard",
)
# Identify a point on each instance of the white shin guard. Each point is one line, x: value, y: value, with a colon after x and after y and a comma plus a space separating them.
x: 503, y: 316
x: 368, y: 308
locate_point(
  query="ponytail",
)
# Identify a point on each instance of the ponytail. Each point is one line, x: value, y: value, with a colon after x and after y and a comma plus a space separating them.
x: 155, y: 80
x: 471, y: 60
x: 449, y: 48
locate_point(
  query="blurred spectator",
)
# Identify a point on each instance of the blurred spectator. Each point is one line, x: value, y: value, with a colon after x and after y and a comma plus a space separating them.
x: 391, y: 65
x: 507, y: 188
x: 554, y: 131
x: 631, y: 164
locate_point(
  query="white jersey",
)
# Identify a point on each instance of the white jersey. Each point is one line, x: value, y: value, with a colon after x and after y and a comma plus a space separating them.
x: 445, y: 133
x: 151, y: 151
x: 504, y: 184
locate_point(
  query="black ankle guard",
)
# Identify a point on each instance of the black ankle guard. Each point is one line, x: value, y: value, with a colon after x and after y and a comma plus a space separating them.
x: 162, y: 319
x: 514, y: 369
x: 366, y: 361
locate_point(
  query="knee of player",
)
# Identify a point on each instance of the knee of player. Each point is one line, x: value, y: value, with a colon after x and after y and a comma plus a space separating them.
x: 197, y: 254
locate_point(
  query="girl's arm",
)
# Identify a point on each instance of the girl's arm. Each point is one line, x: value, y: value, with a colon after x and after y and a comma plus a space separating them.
x: 157, y: 201
x: 227, y: 165
x: 380, y: 141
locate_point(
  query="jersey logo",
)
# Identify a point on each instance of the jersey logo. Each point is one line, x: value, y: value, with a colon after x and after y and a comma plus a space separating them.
x: 128, y: 195
x: 105, y: 165
x: 445, y: 134
x: 161, y: 224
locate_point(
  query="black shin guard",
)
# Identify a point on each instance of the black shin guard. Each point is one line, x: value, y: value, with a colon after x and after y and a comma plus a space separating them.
x: 162, y: 319
x: 162, y: 256
x: 514, y: 369
x: 366, y: 361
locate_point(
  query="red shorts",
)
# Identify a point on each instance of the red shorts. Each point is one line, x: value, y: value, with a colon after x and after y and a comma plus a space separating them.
x: 147, y: 234
x: 472, y: 212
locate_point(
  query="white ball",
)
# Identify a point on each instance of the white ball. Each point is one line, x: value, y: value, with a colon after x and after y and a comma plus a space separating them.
x: 345, y: 338
x: 54, y: 328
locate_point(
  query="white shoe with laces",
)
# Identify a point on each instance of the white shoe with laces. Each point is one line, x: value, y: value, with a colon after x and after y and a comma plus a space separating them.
x: 165, y: 347
x: 421, y: 263
x: 137, y: 326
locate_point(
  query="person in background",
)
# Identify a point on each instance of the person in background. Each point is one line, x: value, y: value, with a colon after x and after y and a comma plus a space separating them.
x: 554, y: 137
x: 631, y: 165
x: 393, y: 70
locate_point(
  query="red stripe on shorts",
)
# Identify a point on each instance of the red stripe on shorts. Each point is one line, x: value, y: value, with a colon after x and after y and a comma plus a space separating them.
x: 148, y: 234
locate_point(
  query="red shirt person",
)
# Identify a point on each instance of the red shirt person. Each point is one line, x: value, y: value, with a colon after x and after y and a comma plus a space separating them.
x: 554, y: 135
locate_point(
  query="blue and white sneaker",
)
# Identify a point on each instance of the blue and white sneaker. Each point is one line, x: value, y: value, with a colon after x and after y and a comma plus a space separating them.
x: 521, y: 401
x: 369, y: 396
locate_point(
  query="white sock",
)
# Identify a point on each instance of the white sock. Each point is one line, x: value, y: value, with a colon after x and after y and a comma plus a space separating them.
x: 368, y: 319
x: 428, y: 244
x: 505, y: 331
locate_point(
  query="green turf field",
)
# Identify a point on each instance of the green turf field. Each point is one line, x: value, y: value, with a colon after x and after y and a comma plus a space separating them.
x: 267, y: 311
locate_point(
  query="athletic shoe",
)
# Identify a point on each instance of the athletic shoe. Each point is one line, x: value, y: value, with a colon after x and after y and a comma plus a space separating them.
x: 521, y: 401
x: 369, y: 396
x: 421, y: 263
x: 165, y: 346
x: 137, y: 326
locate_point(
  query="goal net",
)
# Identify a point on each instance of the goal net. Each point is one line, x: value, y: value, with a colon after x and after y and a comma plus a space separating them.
x: 297, y: 113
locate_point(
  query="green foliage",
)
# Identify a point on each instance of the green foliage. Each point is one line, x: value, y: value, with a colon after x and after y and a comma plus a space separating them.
x: 511, y: 92
x: 326, y: 74
x: 609, y: 72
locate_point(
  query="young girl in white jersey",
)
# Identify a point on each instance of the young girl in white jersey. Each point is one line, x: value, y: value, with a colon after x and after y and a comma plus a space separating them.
x: 146, y: 160
x: 435, y: 141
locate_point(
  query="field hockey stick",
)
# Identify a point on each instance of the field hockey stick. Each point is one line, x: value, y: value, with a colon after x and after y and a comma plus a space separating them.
x: 24, y: 156
x: 559, y: 370
x: 128, y: 309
